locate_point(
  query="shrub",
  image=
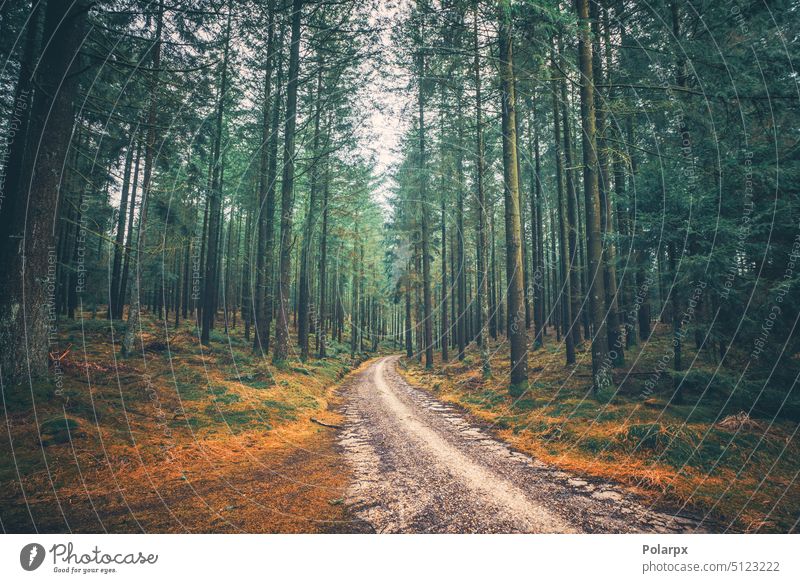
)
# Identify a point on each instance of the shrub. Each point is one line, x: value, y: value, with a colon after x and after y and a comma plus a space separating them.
x: 58, y: 429
x: 672, y: 444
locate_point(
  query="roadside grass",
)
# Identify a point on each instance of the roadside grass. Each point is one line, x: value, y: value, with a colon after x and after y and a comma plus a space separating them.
x: 703, y: 457
x: 177, y: 437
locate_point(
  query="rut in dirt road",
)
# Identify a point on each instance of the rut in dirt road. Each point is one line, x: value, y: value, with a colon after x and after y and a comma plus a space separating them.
x: 420, y: 466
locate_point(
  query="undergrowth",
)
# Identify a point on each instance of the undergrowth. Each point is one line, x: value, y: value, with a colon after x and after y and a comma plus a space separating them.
x: 177, y: 437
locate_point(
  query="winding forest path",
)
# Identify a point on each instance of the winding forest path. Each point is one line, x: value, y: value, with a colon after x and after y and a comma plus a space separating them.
x: 420, y: 466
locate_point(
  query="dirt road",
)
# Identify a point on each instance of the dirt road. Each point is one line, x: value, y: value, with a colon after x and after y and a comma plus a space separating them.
x: 420, y: 466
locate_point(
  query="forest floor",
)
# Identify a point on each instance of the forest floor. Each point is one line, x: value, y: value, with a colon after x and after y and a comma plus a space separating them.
x: 201, y: 440
x: 704, y: 459
x: 219, y: 440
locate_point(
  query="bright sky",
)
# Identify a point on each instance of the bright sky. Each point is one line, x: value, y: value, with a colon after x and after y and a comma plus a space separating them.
x: 387, y: 121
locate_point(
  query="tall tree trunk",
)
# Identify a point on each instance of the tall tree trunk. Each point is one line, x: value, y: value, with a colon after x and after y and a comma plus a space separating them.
x: 323, y: 263
x: 187, y: 267
x: 494, y: 304
x: 675, y: 292
x: 522, y: 229
x: 417, y: 301
x: 77, y: 241
x: 119, y: 241
x: 27, y: 249
x: 482, y: 291
x: 564, y: 235
x: 226, y: 282
x: 517, y: 334
x: 615, y: 344
x: 215, y: 218
x: 66, y: 212
x: 134, y: 312
x: 445, y: 324
x: 304, y: 292
x: 354, y: 305
x: 17, y: 165
x: 454, y: 279
x: 122, y: 292
x: 628, y: 281
x: 248, y: 261
x: 558, y: 296
x: 537, y: 228
x: 265, y: 285
x: 601, y: 377
x: 362, y: 296
x: 575, y: 297
x: 409, y: 324
x: 281, y: 350
x: 422, y: 205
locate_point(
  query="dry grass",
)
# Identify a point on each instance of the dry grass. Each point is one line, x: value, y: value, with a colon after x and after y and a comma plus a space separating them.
x: 699, y: 457
x: 179, y: 438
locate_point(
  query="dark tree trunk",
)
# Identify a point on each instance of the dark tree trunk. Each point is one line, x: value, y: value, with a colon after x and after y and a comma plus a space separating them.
x: 122, y: 292
x: 563, y: 229
x: 354, y: 305
x: 281, y: 350
x: 135, y: 309
x: 517, y: 335
x: 537, y: 231
x: 408, y: 334
x: 17, y: 165
x: 494, y: 307
x: 247, y: 275
x: 323, y: 267
x: 482, y: 288
x: 615, y: 344
x: 188, y: 272
x: 304, y: 293
x: 575, y: 296
x: 119, y: 241
x: 445, y: 324
x: 427, y: 321
x: 601, y: 377
x: 27, y: 249
x: 212, y: 267
x: 265, y: 285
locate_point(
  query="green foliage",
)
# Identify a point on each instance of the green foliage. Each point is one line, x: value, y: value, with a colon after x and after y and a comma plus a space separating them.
x: 58, y: 430
x: 674, y: 444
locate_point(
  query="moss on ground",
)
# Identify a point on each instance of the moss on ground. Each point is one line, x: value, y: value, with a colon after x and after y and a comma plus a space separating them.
x: 165, y: 439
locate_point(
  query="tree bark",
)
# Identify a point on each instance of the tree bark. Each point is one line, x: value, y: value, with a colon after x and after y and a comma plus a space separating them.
x: 517, y: 334
x: 119, y: 241
x: 537, y: 229
x: 261, y: 260
x: 265, y: 286
x: 563, y: 230
x: 601, y: 377
x: 212, y: 271
x: 427, y: 331
x: 323, y: 264
x: 615, y: 344
x: 281, y: 350
x: 27, y: 250
x: 303, y: 299
x: 445, y: 324
x: 482, y: 291
x: 17, y: 132
x: 575, y: 297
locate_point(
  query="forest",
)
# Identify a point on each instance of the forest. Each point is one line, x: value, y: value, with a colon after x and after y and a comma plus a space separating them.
x: 576, y: 222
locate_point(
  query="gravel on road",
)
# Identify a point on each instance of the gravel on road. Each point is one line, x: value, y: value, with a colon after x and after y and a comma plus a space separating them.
x: 421, y: 466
